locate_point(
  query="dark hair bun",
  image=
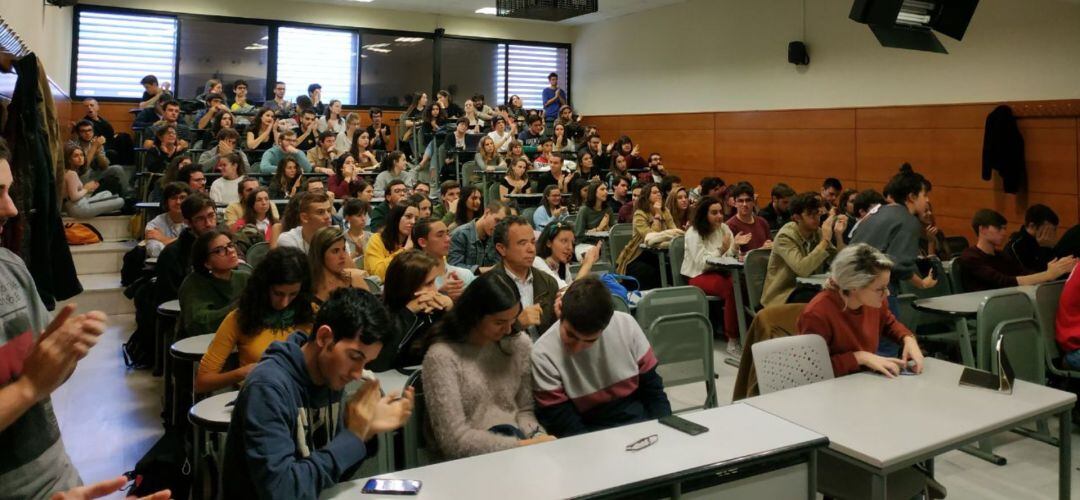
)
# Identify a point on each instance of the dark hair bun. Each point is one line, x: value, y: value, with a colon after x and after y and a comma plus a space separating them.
x: 906, y: 168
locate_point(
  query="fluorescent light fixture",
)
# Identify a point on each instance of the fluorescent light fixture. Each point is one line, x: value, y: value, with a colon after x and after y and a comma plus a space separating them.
x: 376, y: 46
x: 362, y: 1
x: 490, y: 11
x: 265, y: 38
x: 380, y: 50
x: 255, y: 46
x: 407, y: 39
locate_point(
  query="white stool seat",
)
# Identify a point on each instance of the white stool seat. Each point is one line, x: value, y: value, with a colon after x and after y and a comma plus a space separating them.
x: 214, y: 413
x: 192, y: 348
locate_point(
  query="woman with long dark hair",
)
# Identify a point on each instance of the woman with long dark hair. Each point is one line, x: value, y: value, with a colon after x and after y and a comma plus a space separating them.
x: 555, y: 251
x: 394, y: 237
x: 261, y: 134
x: 345, y: 183
x: 287, y: 179
x: 470, y: 206
x: 708, y: 237
x: 275, y: 303
x: 477, y: 374
x: 209, y: 292
x: 650, y: 216
x: 257, y: 212
x: 414, y: 304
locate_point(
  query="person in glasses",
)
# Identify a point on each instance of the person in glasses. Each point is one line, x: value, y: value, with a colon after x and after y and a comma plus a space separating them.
x: 745, y: 221
x: 210, y: 291
x: 174, y: 263
x: 852, y: 314
x: 476, y: 374
x: 594, y: 369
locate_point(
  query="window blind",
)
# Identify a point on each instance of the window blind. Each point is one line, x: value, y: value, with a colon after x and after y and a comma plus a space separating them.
x: 116, y: 51
x: 326, y: 57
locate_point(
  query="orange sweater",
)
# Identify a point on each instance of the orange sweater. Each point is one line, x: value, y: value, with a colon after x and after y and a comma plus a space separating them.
x: 249, y: 349
x: 847, y: 331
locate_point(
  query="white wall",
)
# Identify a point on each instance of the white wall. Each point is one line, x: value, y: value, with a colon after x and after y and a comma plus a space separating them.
x: 720, y: 55
x: 357, y: 16
x: 47, y: 30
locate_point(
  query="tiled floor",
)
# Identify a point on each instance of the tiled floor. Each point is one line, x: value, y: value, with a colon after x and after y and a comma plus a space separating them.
x: 110, y: 417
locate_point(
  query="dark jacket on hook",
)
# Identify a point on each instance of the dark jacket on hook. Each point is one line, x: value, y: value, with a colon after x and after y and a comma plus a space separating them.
x: 1003, y: 149
x: 33, y: 135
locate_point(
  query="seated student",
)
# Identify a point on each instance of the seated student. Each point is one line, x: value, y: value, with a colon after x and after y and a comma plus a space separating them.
x: 308, y: 133
x: 263, y: 132
x: 556, y: 176
x: 595, y: 214
x: 846, y: 205
x: 240, y: 104
x: 313, y: 214
x: 211, y: 290
x: 422, y: 204
x: 378, y: 131
x: 226, y: 189
x: 620, y: 168
x: 625, y: 147
x: 547, y: 151
x: 331, y: 266
x: 324, y: 153
x: 95, y: 161
x: 414, y: 303
x: 223, y: 121
x: 516, y: 243
x: 678, y: 205
x: 174, y: 263
x: 655, y: 171
x: 394, y: 194
x: 258, y: 211
x: 626, y: 211
x: 227, y: 140
x: 502, y: 134
x: 533, y: 133
x: 555, y: 251
x: 422, y: 188
x: 551, y: 208
x: 517, y: 152
x: 469, y: 207
x: 359, y: 149
x: 932, y: 238
x: 1032, y: 246
x: 982, y: 267
x: 862, y: 205
x: 801, y: 248
x: 471, y: 244
x: 80, y: 200
x: 215, y: 105
x: 393, y: 168
x: 649, y: 217
x: 291, y: 434
x: 515, y: 181
x: 830, y: 193
x: 487, y: 156
x: 433, y: 238
x: 449, y: 191
x: 345, y: 183
x: 275, y: 303
x: 744, y: 220
x: 475, y: 375
x: 167, y: 147
x: 776, y: 213
x: 234, y: 211
x: 172, y: 173
x: 708, y: 237
x: 390, y: 241
x: 851, y: 313
x: 1067, y: 324
x: 594, y: 369
x: 168, y: 225
x: 618, y: 195
x: 285, y: 147
x: 355, y: 211
x: 287, y: 180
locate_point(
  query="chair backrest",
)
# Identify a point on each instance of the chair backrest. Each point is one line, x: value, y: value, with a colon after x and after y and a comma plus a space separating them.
x: 374, y: 285
x: 956, y: 282
x: 468, y: 173
x: 667, y: 301
x: 1023, y: 346
x: 675, y: 253
x: 528, y: 215
x: 1047, y: 296
x: 618, y: 237
x: 943, y: 287
x: 755, y: 267
x: 786, y: 362
x: 599, y: 267
x: 956, y: 244
x: 909, y: 316
x: 413, y: 431
x: 256, y: 253
x: 683, y: 344
x: 996, y: 308
x: 492, y: 192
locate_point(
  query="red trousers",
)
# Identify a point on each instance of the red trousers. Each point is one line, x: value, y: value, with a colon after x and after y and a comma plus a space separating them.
x: 719, y: 285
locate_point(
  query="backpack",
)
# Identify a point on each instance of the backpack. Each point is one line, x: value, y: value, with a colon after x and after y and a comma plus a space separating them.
x: 78, y: 233
x: 247, y: 236
x: 139, y: 349
x: 165, y: 466
x: 617, y: 285
x: 134, y: 265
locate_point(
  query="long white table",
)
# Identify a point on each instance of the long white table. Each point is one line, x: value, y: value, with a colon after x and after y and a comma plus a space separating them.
x: 776, y: 460
x: 884, y: 425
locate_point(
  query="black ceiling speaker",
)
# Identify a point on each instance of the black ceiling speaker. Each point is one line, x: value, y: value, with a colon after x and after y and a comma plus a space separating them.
x: 545, y: 10
x: 910, y: 24
x: 62, y: 3
x: 796, y: 54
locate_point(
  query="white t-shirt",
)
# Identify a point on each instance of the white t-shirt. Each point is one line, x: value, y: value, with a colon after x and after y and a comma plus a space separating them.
x: 293, y: 238
x: 496, y: 137
x: 223, y: 191
x: 541, y: 264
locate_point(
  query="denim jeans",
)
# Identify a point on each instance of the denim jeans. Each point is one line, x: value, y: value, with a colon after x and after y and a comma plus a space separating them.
x: 1072, y: 360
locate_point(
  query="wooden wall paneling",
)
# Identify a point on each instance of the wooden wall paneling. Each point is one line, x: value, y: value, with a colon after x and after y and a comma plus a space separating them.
x: 963, y: 202
x: 947, y: 156
x: 816, y: 153
x: 680, y: 149
x: 787, y: 119
x: 681, y: 121
x: 924, y: 117
x: 607, y: 125
x: 1051, y: 157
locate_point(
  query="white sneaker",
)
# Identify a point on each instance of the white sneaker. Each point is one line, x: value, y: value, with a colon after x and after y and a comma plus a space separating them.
x: 734, y: 349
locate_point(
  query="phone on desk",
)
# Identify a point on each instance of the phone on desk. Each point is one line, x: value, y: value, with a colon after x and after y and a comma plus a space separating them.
x: 684, y: 425
x: 392, y: 486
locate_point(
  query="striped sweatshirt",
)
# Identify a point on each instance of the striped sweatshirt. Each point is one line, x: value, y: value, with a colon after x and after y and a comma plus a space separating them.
x: 612, y: 383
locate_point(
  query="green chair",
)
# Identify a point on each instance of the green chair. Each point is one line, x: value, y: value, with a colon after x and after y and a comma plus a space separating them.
x: 995, y: 309
x: 1022, y: 342
x: 492, y: 192
x: 256, y: 253
x: 956, y: 284
x: 683, y: 344
x: 414, y: 449
x: 667, y: 301
x: 755, y: 266
x: 618, y: 237
x: 676, y: 252
x: 1047, y: 296
x: 528, y: 215
x: 599, y: 267
x: 374, y: 284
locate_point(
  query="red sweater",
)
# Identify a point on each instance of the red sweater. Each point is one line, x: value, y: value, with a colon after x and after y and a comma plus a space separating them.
x: 847, y: 331
x: 759, y: 231
x: 1067, y: 322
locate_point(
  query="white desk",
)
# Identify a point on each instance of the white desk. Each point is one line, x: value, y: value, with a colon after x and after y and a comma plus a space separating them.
x: 817, y: 280
x: 597, y: 464
x: 209, y: 415
x: 961, y: 307
x: 883, y: 425
x: 192, y: 348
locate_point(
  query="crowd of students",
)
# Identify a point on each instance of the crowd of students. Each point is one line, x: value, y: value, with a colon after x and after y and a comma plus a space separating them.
x: 516, y: 349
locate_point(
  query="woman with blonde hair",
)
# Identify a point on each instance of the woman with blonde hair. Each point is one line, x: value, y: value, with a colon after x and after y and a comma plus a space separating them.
x: 331, y: 265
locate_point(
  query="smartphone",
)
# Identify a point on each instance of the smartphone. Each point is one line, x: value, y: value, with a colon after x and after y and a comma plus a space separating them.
x: 684, y: 425
x: 392, y: 486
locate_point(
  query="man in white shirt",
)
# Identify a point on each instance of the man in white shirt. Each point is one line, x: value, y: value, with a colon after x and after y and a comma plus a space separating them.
x: 314, y: 215
x: 432, y: 236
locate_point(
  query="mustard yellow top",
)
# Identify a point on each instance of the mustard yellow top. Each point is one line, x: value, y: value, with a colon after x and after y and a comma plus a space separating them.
x: 249, y: 348
x: 377, y: 258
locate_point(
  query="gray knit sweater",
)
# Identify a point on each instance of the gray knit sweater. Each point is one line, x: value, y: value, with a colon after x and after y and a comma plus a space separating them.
x: 469, y: 389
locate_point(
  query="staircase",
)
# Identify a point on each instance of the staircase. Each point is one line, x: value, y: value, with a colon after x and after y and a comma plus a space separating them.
x: 99, y: 266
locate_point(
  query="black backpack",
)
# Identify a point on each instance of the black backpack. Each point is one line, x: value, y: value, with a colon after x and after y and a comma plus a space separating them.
x: 165, y: 466
x: 139, y: 349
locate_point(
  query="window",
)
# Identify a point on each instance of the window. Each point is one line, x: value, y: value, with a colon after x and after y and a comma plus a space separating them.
x: 468, y: 68
x: 225, y: 51
x: 525, y: 73
x: 393, y: 67
x: 115, y: 51
x: 326, y: 57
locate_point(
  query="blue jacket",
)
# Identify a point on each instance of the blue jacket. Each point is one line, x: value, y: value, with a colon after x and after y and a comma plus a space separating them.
x: 273, y: 156
x: 263, y: 457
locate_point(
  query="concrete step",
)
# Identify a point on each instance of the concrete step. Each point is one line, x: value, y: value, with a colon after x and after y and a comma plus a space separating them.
x: 100, y: 258
x: 111, y: 227
x: 102, y: 292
